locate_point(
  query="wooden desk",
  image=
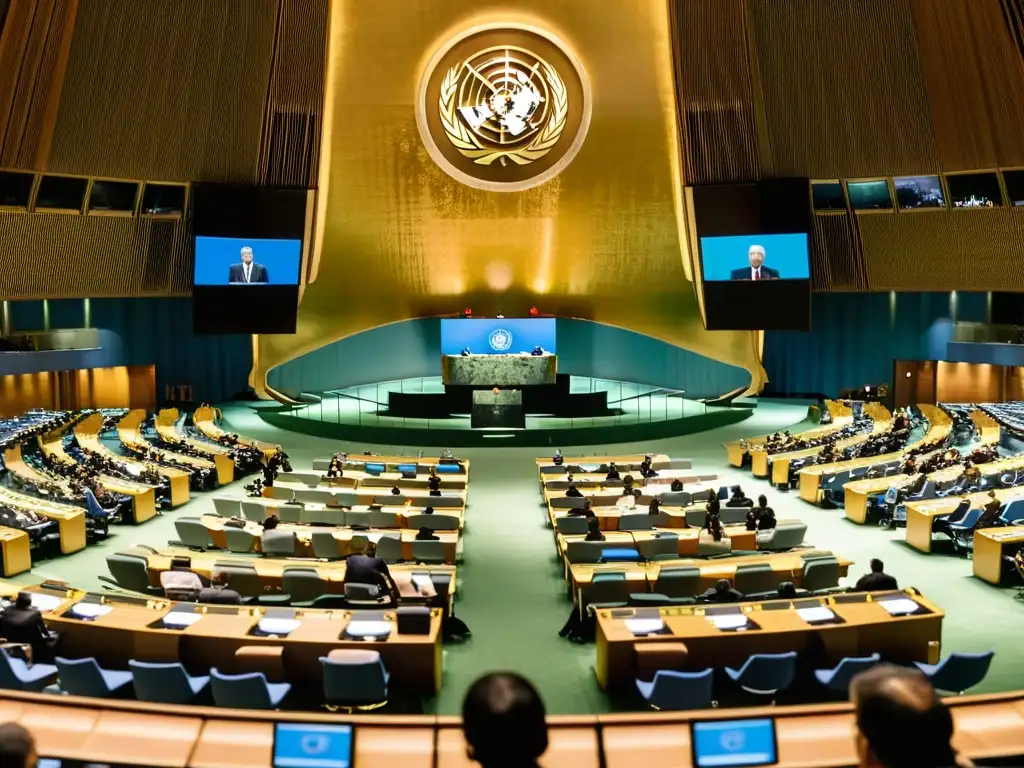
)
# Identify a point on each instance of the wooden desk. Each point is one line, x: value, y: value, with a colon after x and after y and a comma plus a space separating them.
x: 87, y: 434
x: 741, y: 538
x: 609, y: 516
x: 921, y: 514
x: 342, y: 535
x: 867, y: 628
x: 630, y: 462
x: 205, y: 420
x: 601, y: 495
x: 989, y: 547
x: 572, y: 743
x: 129, y: 432
x: 15, y: 553
x: 988, y: 428
x: 128, y: 632
x: 70, y: 520
x: 166, y: 423
x: 736, y: 450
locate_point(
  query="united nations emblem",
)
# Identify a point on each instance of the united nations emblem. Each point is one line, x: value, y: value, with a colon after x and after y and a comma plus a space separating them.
x: 503, y: 107
x: 500, y: 340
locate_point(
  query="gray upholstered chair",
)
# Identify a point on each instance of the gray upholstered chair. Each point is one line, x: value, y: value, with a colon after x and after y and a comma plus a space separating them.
x: 239, y: 540
x: 783, y: 536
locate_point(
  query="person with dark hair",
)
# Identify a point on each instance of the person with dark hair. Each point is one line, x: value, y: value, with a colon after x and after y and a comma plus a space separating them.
x: 23, y: 623
x: 901, y: 721
x: 877, y: 580
x: 270, y: 522
x: 722, y: 592
x: 584, y: 511
x: 713, y: 505
x: 594, y: 529
x: 613, y: 472
x: 426, y: 534
x: 654, y: 508
x: 428, y: 510
x: 17, y: 747
x: 395, y: 491
x: 786, y: 590
x: 677, y: 485
x: 646, y: 470
x: 504, y: 722
x: 713, y: 525
x: 761, y: 517
x: 434, y: 483
x: 573, y: 492
x: 991, y: 514
x: 738, y: 498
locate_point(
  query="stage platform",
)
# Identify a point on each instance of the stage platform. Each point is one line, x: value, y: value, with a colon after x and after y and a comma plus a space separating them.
x: 631, y: 411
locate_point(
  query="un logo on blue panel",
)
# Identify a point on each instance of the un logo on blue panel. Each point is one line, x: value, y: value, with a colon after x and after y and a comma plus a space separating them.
x: 500, y: 340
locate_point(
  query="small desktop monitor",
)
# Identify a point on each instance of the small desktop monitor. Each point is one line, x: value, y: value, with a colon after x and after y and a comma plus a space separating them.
x: 298, y: 745
x: 734, y: 743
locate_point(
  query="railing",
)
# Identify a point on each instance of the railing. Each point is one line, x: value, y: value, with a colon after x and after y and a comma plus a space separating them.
x: 986, y: 333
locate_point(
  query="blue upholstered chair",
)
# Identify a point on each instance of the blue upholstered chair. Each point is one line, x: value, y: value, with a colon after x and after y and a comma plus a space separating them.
x: 85, y: 677
x: 248, y: 691
x: 17, y: 675
x: 958, y: 671
x: 765, y: 673
x: 354, y: 678
x: 165, y: 683
x: 671, y: 690
x: 838, y: 679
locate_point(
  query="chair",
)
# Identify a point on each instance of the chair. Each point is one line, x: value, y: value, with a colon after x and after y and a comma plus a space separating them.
x: 665, y: 547
x: 243, y: 579
x: 671, y: 690
x: 636, y: 522
x: 248, y: 691
x: 279, y: 543
x: 1013, y: 512
x: 228, y: 507
x: 958, y: 671
x: 380, y: 519
x: 820, y: 574
x: 362, y: 594
x: 389, y: 548
x: 579, y: 551
x: 765, y: 673
x: 290, y: 513
x: 239, y: 540
x: 301, y: 584
x: 354, y: 679
x: 165, y: 683
x: 838, y: 678
x: 733, y: 515
x: 430, y: 552
x: 180, y: 585
x: 353, y: 518
x: 782, y: 536
x: 434, y: 522
x: 695, y: 518
x: 677, y: 499
x: 752, y: 579
x: 85, y: 677
x: 708, y: 547
x: 962, y: 532
x: 253, y: 510
x: 325, y: 546
x: 129, y: 571
x: 678, y: 582
x: 17, y: 675
x: 192, y: 533
x: 571, y: 525
x: 607, y: 589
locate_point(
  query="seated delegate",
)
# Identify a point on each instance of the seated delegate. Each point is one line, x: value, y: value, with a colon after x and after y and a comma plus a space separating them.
x: 722, y: 592
x: 23, y: 623
x: 218, y: 593
x: 613, y: 472
x: 739, y: 499
x: 876, y: 581
x: 363, y: 567
x: 426, y: 534
x: 504, y: 722
x: 594, y: 529
x: 761, y: 517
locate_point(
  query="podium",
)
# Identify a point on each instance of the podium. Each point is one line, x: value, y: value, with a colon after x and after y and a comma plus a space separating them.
x: 504, y: 409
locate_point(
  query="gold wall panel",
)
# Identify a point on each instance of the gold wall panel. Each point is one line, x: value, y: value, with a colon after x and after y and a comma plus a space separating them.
x: 837, y: 263
x: 120, y: 387
x: 397, y: 238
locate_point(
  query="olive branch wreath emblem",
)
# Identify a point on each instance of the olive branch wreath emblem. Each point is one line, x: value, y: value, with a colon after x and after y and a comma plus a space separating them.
x: 470, y: 146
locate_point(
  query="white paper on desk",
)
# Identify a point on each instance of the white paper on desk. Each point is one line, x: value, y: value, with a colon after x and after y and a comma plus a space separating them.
x: 729, y: 620
x: 90, y: 610
x: 644, y: 626
x: 45, y: 602
x: 899, y: 606
x: 815, y: 614
x: 181, y: 619
x: 372, y: 629
x: 278, y: 626
x: 422, y: 581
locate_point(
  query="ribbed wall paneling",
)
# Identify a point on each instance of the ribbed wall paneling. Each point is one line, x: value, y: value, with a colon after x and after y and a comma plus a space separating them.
x: 290, y: 147
x: 843, y: 90
x: 166, y: 89
x: 836, y: 261
x: 714, y: 90
x: 975, y: 82
x: 69, y: 256
x: 955, y: 250
x: 30, y: 45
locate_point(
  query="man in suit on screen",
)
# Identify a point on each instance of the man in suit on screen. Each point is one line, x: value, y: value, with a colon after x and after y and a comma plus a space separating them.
x: 757, y: 270
x: 247, y: 271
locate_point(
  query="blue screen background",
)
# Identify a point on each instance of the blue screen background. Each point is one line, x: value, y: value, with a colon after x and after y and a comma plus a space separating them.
x: 785, y: 253
x: 215, y: 254
x: 312, y: 746
x: 475, y: 333
x: 728, y: 743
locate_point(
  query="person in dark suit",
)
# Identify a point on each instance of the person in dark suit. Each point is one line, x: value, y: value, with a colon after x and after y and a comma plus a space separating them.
x: 434, y: 483
x: 218, y: 593
x: 877, y: 580
x: 573, y: 492
x: 363, y: 567
x: 23, y: 623
x: 991, y: 514
x: 613, y: 472
x: 247, y: 271
x: 425, y: 534
x: 722, y: 592
x: 594, y: 529
x: 757, y: 270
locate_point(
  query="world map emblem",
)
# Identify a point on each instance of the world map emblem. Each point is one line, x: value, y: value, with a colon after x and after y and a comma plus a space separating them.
x: 503, y: 107
x: 500, y: 340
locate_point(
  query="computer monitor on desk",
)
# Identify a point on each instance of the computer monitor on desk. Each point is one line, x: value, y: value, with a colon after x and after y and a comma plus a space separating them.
x: 297, y: 745
x: 734, y: 743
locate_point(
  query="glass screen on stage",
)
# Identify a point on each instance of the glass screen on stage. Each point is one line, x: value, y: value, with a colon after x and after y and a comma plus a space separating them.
x: 497, y: 336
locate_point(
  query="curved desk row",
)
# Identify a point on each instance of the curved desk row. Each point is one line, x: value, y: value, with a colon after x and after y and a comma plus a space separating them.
x: 205, y: 420
x: 166, y: 423
x: 70, y: 519
x: 842, y: 415
x: 312, y: 513
x: 687, y: 539
x: 135, y: 733
x: 129, y: 432
x: 921, y: 515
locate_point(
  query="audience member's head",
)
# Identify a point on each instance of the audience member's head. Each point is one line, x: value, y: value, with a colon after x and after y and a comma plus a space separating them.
x: 654, y: 507
x: 786, y: 590
x: 877, y: 566
x: 395, y: 491
x: 428, y: 510
x: 218, y: 579
x: 593, y: 524
x: 270, y: 522
x: 358, y: 545
x: 722, y: 586
x: 901, y: 722
x: 23, y: 600
x: 762, y: 500
x: 17, y: 747
x: 503, y: 720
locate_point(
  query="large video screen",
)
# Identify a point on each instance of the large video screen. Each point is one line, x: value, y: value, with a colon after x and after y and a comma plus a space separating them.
x: 754, y: 252
x: 248, y: 257
x: 497, y: 336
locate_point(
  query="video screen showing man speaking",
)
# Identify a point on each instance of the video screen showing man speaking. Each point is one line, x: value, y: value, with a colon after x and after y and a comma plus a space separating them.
x: 755, y: 257
x: 247, y: 261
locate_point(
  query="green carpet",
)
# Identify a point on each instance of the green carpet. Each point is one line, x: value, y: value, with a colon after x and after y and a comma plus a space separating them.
x: 510, y: 588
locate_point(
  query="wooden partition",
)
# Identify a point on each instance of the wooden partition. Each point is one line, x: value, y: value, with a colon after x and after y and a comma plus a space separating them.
x: 121, y: 387
x: 932, y: 381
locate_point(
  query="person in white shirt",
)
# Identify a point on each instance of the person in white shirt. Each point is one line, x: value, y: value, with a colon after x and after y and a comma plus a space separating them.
x: 757, y: 270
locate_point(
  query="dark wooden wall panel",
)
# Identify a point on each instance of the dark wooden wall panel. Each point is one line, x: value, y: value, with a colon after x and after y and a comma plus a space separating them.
x: 975, y: 82
x: 714, y: 90
x: 836, y: 261
x: 67, y: 256
x: 968, y: 250
x: 166, y: 89
x: 843, y: 89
